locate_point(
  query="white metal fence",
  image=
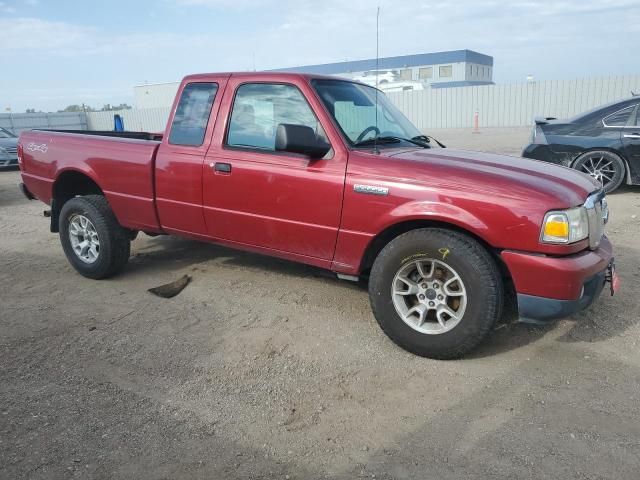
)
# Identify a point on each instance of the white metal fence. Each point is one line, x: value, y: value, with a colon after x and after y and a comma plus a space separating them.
x: 510, y: 105
x: 17, y: 122
x: 497, y: 106
x: 138, y: 120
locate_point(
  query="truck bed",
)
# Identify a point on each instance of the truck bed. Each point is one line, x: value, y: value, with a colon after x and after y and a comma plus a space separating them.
x: 121, y: 163
x: 156, y: 137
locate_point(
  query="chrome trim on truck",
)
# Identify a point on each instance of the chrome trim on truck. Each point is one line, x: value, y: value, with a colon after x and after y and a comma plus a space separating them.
x: 598, y: 215
x: 371, y: 189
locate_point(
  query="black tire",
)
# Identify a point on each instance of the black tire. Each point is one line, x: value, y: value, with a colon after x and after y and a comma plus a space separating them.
x: 115, y: 244
x: 615, y: 167
x: 478, y: 272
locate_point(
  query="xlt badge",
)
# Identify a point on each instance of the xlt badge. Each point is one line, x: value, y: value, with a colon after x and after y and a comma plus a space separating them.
x: 371, y: 189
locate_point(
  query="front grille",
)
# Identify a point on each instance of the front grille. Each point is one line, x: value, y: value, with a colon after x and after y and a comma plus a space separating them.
x: 12, y: 151
x: 598, y: 214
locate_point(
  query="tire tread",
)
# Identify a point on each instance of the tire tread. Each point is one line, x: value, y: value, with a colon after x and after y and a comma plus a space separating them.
x: 490, y: 276
x: 119, y: 238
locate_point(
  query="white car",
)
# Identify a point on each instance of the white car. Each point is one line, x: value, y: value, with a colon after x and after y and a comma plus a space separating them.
x: 402, y: 86
x: 384, y: 76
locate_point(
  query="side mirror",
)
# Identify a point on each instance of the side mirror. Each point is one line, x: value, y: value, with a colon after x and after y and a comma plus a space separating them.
x: 300, y: 139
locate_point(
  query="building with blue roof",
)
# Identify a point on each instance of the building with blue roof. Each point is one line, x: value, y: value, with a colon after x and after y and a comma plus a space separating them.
x: 456, y: 68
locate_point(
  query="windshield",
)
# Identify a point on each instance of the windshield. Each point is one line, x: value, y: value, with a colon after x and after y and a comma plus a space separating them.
x: 5, y: 134
x: 353, y: 106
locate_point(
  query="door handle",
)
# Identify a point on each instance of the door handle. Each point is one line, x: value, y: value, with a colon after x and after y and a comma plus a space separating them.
x: 221, y: 167
x: 632, y: 135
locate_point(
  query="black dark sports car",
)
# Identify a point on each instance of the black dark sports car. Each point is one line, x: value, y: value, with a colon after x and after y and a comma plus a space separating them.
x: 604, y: 142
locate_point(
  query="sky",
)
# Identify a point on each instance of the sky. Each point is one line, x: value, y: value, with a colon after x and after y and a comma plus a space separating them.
x: 54, y: 53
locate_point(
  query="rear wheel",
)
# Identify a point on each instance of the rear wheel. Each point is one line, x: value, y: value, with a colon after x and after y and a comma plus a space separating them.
x: 92, y: 239
x: 435, y: 292
x: 606, y: 167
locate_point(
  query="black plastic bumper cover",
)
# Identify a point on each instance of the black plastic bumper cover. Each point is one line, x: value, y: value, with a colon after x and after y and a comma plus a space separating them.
x: 539, y: 310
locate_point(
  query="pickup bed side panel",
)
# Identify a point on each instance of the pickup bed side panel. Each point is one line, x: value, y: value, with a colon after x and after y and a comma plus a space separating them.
x: 122, y: 168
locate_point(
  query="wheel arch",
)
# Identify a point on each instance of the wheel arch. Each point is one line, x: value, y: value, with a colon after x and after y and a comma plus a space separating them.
x: 627, y: 169
x: 393, y: 231
x: 68, y: 184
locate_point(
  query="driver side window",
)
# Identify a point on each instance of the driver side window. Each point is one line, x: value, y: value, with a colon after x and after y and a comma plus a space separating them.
x: 258, y: 109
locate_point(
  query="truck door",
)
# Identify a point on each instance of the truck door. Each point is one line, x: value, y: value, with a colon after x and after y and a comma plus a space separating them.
x: 179, y: 161
x: 255, y: 195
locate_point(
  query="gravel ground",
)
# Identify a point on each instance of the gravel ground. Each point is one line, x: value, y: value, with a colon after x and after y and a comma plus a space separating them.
x: 263, y: 368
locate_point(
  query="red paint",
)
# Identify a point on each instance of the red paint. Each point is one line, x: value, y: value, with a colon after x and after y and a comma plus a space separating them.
x: 556, y: 277
x: 291, y: 207
x: 615, y: 282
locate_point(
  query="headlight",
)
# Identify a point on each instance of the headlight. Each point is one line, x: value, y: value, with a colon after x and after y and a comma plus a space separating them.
x: 565, y: 226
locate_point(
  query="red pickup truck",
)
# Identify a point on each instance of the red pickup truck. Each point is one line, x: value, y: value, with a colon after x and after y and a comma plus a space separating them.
x: 328, y: 172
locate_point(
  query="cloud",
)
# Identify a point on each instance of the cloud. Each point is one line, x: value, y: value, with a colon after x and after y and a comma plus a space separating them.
x: 33, y: 34
x: 561, y: 39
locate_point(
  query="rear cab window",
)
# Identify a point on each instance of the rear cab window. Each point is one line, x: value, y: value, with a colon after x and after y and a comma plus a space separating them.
x: 192, y: 114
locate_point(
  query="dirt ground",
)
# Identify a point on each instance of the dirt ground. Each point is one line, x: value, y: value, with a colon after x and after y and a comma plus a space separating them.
x: 263, y: 368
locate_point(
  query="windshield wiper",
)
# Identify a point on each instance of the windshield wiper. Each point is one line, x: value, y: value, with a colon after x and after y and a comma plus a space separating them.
x: 373, y: 141
x: 393, y: 139
x: 423, y: 141
x: 427, y: 139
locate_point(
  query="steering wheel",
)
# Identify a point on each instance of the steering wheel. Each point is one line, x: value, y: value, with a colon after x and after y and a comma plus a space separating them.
x: 366, y: 131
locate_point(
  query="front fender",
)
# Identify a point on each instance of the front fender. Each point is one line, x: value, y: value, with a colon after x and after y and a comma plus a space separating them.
x: 426, y: 210
x: 353, y: 245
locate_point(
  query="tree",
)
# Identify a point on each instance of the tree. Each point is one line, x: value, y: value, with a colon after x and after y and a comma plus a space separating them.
x: 77, y: 108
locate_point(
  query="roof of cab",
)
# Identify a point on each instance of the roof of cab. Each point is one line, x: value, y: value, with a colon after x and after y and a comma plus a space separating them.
x: 263, y: 76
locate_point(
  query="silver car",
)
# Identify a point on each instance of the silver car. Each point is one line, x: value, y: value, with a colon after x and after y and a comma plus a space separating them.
x: 8, y: 148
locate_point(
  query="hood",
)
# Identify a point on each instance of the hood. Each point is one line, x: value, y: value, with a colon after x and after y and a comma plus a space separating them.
x: 504, y: 175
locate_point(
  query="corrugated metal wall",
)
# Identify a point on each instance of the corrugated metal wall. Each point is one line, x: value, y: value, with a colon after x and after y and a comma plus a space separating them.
x: 137, y: 119
x: 157, y: 95
x: 510, y: 105
x: 17, y: 122
x: 497, y: 106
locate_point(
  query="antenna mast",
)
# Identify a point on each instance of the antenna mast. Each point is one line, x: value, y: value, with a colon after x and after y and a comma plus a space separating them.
x: 375, y: 139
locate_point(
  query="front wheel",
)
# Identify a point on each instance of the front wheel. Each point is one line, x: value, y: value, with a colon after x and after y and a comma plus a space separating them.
x: 92, y: 239
x: 435, y: 292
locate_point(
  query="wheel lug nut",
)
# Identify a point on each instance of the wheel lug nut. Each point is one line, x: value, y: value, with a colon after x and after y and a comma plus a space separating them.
x: 435, y: 285
x: 431, y: 304
x: 421, y: 297
x: 424, y: 285
x: 440, y: 297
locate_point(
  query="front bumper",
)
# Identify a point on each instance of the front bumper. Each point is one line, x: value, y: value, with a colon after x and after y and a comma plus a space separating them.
x: 533, y: 309
x: 549, y: 288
